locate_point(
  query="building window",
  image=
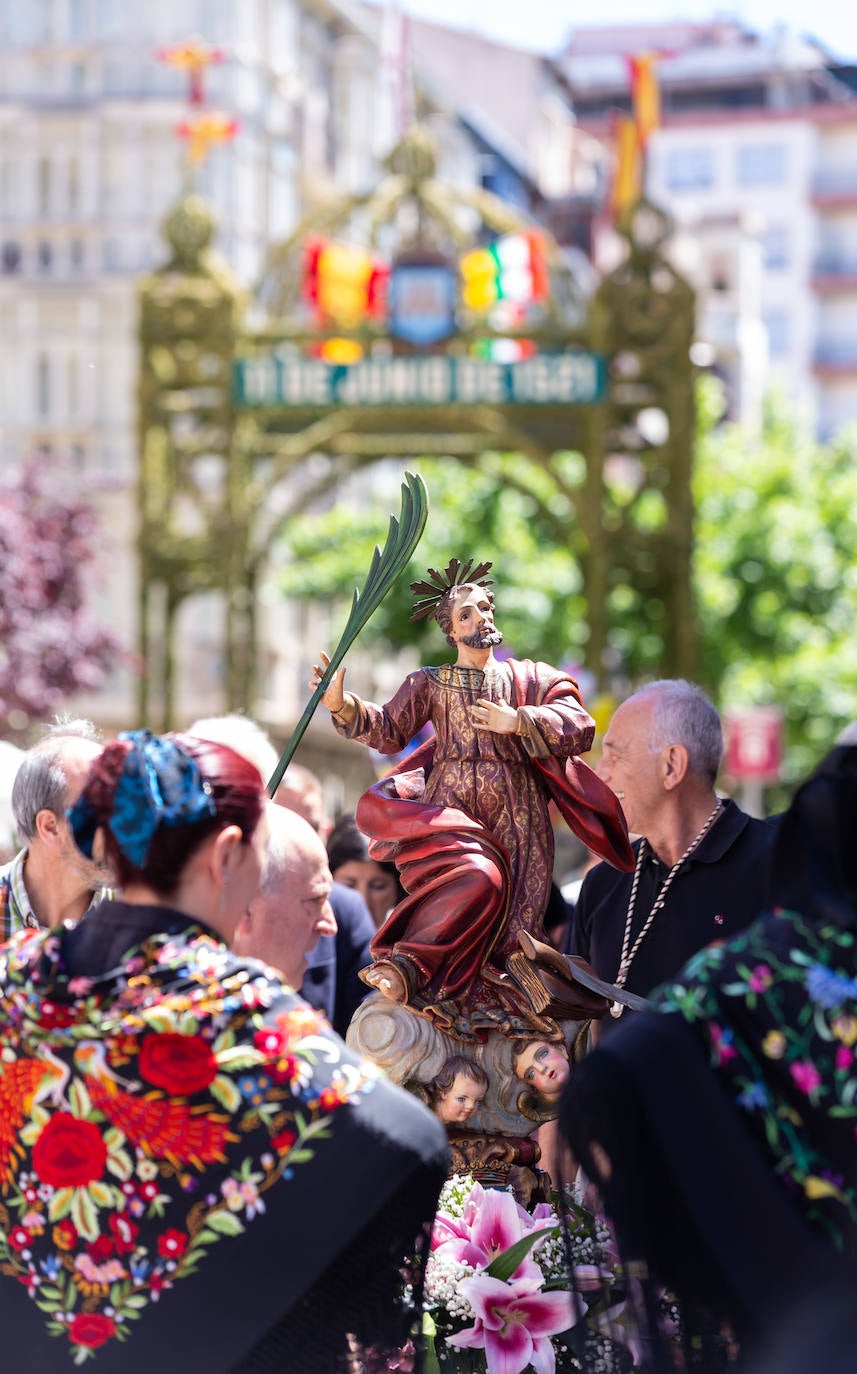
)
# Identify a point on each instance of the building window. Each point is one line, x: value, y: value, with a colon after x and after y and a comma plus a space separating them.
x: 73, y: 183
x: 10, y: 257
x: 43, y: 385
x: 73, y: 382
x: 720, y: 274
x: 111, y: 255
x: 778, y: 326
x: 44, y: 192
x: 76, y: 255
x: 761, y: 164
x: 775, y: 248
x: 689, y: 169
x: 77, y: 20
x: 45, y: 256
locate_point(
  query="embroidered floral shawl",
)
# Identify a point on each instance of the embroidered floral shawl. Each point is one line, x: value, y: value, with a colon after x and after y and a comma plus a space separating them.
x: 163, y: 1125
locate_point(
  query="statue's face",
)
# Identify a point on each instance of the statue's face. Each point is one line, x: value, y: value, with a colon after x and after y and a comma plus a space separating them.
x: 473, y: 620
x: 460, y: 1101
x: 543, y: 1066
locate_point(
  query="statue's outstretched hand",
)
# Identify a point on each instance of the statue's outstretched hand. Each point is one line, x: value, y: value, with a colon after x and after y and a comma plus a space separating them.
x: 334, y: 697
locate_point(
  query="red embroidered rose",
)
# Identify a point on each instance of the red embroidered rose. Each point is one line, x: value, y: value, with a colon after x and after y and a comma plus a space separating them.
x: 100, y: 1249
x: 64, y: 1234
x: 125, y: 1232
x: 19, y: 1239
x: 180, y: 1064
x: 172, y: 1244
x: 269, y: 1041
x: 284, y: 1141
x: 53, y: 1017
x: 330, y: 1099
x: 91, y: 1329
x: 69, y: 1153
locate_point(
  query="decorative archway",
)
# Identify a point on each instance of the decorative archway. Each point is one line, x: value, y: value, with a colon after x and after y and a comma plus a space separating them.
x: 230, y: 408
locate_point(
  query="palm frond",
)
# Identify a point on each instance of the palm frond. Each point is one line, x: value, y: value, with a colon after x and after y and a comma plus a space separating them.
x: 403, y: 536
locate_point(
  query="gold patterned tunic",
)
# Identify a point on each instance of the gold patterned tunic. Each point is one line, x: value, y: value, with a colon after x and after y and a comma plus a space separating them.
x: 469, y: 828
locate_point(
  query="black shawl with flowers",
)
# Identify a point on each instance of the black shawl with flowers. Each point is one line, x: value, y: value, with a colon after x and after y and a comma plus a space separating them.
x: 194, y: 1169
x: 729, y: 1115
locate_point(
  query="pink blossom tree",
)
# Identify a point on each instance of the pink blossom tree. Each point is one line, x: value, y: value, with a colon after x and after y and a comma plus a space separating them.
x: 50, y: 647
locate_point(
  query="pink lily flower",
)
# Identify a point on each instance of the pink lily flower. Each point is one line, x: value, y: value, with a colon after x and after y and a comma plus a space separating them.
x: 498, y: 1223
x: 447, y: 1228
x: 514, y: 1324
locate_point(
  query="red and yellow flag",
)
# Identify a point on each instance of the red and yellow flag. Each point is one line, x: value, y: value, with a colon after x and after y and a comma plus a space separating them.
x: 645, y: 94
x: 627, y: 167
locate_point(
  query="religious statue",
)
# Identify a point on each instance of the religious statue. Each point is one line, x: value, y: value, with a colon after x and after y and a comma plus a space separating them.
x: 466, y: 819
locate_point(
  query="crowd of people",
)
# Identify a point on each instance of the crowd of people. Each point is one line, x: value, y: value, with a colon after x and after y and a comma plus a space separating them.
x: 180, y: 963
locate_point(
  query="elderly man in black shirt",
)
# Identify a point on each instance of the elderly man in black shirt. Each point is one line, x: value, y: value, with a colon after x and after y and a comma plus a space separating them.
x: 702, y: 864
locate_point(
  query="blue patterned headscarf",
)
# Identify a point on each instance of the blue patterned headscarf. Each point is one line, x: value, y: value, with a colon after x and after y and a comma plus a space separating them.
x: 160, y: 785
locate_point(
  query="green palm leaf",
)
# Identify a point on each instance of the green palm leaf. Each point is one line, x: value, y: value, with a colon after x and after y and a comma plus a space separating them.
x: 402, y: 538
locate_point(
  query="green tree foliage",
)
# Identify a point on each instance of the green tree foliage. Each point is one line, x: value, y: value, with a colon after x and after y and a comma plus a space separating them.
x: 776, y: 574
x: 775, y: 569
x: 509, y: 510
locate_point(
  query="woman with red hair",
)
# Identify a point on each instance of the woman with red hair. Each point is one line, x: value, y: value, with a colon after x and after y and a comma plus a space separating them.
x: 177, y: 1128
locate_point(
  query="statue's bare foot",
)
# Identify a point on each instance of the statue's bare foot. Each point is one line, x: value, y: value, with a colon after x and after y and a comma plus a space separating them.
x: 386, y: 978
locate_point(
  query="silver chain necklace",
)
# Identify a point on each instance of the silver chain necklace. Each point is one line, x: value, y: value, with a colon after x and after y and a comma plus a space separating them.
x: 627, y: 956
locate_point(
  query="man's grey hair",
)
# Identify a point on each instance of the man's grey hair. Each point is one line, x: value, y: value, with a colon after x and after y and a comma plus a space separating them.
x: 683, y: 714
x: 41, y: 782
x: 278, y: 848
x: 242, y: 734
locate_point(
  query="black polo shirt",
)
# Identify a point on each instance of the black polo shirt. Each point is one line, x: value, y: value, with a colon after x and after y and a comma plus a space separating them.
x: 718, y: 891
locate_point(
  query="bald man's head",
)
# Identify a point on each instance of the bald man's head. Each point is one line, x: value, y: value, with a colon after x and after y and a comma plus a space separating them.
x: 291, y: 910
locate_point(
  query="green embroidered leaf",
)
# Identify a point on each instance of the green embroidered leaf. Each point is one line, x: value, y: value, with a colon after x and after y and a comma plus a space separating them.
x: 136, y: 1300
x: 203, y: 1237
x: 60, y: 1204
x: 157, y: 1020
x: 226, y: 1223
x: 241, y: 1057
x: 224, y: 1091
x: 119, y: 1162
x: 224, y: 1041
x: 101, y: 1194
x: 84, y: 1215
x: 81, y: 1104
x: 113, y: 1138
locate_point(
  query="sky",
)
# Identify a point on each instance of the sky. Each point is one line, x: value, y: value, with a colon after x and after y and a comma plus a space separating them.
x: 544, y: 24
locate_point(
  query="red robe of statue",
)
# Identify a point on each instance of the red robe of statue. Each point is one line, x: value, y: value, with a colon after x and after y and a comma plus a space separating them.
x: 466, y: 820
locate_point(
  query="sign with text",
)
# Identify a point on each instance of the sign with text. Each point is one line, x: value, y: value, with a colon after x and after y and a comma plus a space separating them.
x: 754, y: 744
x: 548, y: 379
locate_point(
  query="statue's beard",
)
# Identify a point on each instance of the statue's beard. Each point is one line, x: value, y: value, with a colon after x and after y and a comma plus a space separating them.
x: 483, y: 639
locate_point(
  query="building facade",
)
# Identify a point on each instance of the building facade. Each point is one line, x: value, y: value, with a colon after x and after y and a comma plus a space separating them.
x: 90, y: 164
x: 759, y: 134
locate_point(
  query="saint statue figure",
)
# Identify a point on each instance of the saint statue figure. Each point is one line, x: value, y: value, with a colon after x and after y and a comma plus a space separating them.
x: 466, y: 816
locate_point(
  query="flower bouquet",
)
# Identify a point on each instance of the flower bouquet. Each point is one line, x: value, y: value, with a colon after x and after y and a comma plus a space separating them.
x: 497, y: 1297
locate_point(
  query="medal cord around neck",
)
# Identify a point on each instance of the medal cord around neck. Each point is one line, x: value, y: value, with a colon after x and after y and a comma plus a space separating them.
x: 627, y: 956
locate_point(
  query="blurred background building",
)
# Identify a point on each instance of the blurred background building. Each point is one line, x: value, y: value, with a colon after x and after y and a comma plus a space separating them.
x: 756, y: 159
